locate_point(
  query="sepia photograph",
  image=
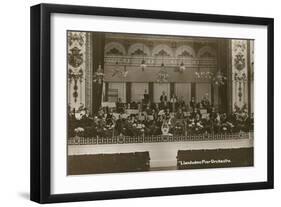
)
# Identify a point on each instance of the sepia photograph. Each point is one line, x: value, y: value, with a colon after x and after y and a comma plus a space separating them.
x: 147, y: 102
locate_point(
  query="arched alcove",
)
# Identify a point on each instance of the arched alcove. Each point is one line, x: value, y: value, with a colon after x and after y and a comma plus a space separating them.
x: 206, y: 52
x: 162, y: 50
x: 139, y: 49
x: 114, y: 49
x: 185, y: 51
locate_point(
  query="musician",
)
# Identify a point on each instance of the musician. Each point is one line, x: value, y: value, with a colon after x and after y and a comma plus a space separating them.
x: 180, y: 103
x: 205, y: 103
x: 163, y: 97
x: 119, y: 106
x: 179, y: 114
x: 192, y: 103
x: 164, y: 105
x: 173, y: 102
x: 148, y: 110
x: 109, y: 117
x: 145, y: 97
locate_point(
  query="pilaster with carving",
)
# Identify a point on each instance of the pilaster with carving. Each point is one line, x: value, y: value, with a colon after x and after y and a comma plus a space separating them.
x: 239, y: 74
x: 76, y: 52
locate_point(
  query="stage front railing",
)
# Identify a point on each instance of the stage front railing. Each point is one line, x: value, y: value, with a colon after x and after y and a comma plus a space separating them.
x: 154, y: 139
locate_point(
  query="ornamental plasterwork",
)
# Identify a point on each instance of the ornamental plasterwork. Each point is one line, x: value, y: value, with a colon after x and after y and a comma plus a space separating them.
x: 76, y: 67
x: 206, y: 52
x: 156, y: 54
x: 114, y: 48
x: 239, y: 73
x: 185, y: 51
x: 139, y: 49
x: 162, y: 50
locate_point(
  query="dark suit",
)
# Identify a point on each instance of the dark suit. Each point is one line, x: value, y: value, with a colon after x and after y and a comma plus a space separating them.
x: 146, y: 98
x: 163, y: 98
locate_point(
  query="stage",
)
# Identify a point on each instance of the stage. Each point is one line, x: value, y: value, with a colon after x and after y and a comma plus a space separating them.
x: 163, y: 151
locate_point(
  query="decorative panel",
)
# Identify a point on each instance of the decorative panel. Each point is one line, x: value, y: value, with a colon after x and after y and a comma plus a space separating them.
x: 76, y: 69
x: 252, y: 75
x: 88, y: 72
x: 239, y: 74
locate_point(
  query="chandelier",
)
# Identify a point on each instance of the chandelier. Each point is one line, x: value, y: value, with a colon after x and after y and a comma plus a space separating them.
x: 182, y: 67
x: 219, y: 78
x: 121, y: 73
x: 162, y: 75
x: 204, y: 75
x: 143, y: 65
x: 124, y: 73
x: 98, y: 75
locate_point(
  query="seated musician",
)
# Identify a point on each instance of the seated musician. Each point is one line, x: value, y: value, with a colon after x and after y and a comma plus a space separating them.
x: 164, y: 105
x: 179, y: 114
x: 180, y: 103
x: 205, y: 102
x: 207, y: 123
x: 120, y: 126
x: 163, y: 97
x: 145, y: 97
x: 192, y: 103
x: 148, y: 110
x: 249, y: 122
x: 195, y: 113
x: 109, y: 117
x: 173, y: 102
x: 119, y: 106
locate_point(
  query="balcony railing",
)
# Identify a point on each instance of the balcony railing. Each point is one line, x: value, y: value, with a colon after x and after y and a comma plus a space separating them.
x: 154, y: 139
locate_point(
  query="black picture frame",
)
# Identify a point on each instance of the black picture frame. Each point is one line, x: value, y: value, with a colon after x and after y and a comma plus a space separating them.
x: 41, y: 98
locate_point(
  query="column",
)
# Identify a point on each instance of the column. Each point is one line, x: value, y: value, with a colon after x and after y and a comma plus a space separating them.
x: 128, y: 92
x: 172, y: 89
x: 106, y: 91
x: 150, y: 91
x: 88, y: 72
x: 193, y: 90
x: 222, y: 63
x: 240, y: 67
x: 98, y: 59
x: 77, y: 59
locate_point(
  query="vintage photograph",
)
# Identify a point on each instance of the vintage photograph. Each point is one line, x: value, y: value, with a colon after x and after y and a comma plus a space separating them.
x: 145, y: 102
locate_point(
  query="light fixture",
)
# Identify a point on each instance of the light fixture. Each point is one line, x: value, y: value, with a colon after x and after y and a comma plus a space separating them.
x: 219, y: 78
x: 182, y: 66
x: 98, y: 75
x: 162, y: 75
x: 124, y: 73
x: 119, y: 72
x: 143, y: 65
